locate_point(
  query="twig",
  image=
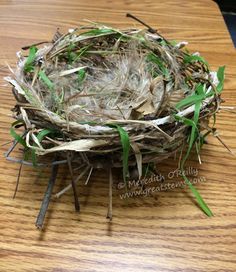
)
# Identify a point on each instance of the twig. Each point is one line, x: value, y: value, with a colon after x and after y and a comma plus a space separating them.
x: 227, y: 108
x: 77, y: 205
x: 31, y: 164
x: 221, y: 141
x: 34, y: 44
x: 11, y: 149
x: 17, y: 181
x: 57, y: 195
x: 109, y: 212
x: 198, y: 154
x: 150, y: 29
x: 47, y: 197
x: 215, y: 134
x: 89, y: 175
x: 9, y: 142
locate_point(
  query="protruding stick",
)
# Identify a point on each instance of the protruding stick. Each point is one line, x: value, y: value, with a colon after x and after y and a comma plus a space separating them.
x: 109, y: 212
x: 68, y: 187
x: 150, y: 29
x: 73, y: 183
x: 17, y: 181
x: 47, y: 197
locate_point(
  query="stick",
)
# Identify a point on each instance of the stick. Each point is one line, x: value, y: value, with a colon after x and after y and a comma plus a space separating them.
x: 109, y: 212
x: 57, y: 195
x: 47, y: 196
x: 150, y: 29
x: 9, y: 142
x: 73, y: 183
x: 31, y: 164
x: 17, y: 181
x: 34, y: 44
x: 221, y: 141
x: 11, y: 149
x: 89, y: 175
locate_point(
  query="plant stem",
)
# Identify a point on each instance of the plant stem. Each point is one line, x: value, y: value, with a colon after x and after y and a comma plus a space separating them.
x: 150, y: 29
x: 17, y: 181
x: 73, y: 183
x: 47, y: 197
x: 109, y: 212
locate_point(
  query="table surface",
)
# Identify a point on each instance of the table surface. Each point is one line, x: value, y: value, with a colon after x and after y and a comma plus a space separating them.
x: 163, y: 232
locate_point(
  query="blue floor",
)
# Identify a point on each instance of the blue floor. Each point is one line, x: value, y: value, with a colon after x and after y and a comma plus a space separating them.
x: 230, y: 20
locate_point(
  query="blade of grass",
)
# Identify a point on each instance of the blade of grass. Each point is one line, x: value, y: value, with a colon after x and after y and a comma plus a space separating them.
x: 221, y: 78
x: 71, y: 56
x: 81, y: 75
x: 125, y: 142
x: 16, y: 136
x: 193, y: 58
x: 81, y: 52
x: 198, y: 197
x: 154, y: 59
x: 193, y: 123
x: 46, y: 80
x: 188, y: 101
x: 44, y: 133
x: 40, y: 137
x: 96, y: 32
x: 191, y: 100
x: 20, y: 140
x: 28, y: 67
x: 194, y: 129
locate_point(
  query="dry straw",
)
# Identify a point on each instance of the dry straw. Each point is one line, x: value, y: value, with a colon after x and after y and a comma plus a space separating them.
x: 100, y: 97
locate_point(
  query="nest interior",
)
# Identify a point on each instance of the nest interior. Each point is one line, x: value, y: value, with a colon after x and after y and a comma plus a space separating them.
x: 113, y: 98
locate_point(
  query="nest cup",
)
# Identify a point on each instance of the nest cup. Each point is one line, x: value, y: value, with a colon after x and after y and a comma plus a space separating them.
x: 113, y: 98
x: 89, y: 82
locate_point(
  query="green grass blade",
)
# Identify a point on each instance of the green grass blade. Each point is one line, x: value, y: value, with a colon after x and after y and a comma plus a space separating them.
x: 81, y: 75
x: 125, y: 142
x: 200, y: 89
x: 46, y: 80
x: 71, y: 56
x: 15, y: 135
x: 33, y: 157
x: 43, y: 133
x: 173, y: 42
x: 193, y: 58
x: 40, y: 137
x: 190, y: 100
x: 156, y: 60
x: 194, y: 129
x: 28, y: 67
x: 98, y: 32
x: 193, y: 135
x: 221, y: 78
x: 198, y: 197
x: 185, y: 120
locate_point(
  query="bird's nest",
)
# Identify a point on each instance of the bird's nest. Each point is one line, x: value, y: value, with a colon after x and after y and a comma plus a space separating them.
x: 101, y: 97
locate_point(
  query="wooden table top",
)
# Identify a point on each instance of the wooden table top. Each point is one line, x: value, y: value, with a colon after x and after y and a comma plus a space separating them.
x: 163, y: 232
